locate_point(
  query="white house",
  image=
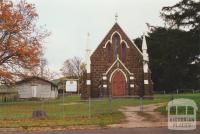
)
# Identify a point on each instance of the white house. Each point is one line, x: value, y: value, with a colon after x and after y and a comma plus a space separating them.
x: 36, y: 87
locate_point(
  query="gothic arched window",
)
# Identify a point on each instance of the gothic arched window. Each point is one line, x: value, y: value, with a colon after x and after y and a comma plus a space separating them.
x: 109, y: 52
x: 116, y: 44
x: 123, y: 52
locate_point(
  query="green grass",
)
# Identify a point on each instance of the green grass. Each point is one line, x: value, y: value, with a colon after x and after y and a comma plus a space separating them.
x: 73, y: 111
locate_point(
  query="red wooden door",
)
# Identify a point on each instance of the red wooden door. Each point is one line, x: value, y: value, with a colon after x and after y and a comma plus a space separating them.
x: 118, y: 84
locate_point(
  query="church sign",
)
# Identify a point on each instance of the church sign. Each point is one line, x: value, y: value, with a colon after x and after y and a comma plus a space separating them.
x: 71, y: 86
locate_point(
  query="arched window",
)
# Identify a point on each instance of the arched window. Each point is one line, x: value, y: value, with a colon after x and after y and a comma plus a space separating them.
x: 109, y: 53
x: 116, y: 44
x: 123, y: 53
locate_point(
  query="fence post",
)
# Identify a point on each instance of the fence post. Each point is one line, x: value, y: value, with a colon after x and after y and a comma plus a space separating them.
x: 110, y: 103
x: 141, y: 104
x: 63, y: 105
x: 177, y: 91
x: 89, y: 106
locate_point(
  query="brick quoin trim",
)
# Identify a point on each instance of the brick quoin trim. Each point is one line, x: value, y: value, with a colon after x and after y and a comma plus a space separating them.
x: 102, y: 66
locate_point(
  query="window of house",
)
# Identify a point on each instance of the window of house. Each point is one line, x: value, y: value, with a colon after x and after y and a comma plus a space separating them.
x: 116, y: 42
x: 109, y: 52
x: 123, y: 53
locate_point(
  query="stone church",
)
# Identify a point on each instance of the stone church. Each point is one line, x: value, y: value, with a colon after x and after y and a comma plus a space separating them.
x: 118, y: 68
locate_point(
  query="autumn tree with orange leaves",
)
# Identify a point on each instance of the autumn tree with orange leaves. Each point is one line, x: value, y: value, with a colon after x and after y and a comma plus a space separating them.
x: 20, y: 39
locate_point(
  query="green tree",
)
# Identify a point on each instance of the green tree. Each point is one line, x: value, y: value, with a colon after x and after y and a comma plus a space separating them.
x: 183, y: 15
x: 173, y: 58
x: 174, y: 50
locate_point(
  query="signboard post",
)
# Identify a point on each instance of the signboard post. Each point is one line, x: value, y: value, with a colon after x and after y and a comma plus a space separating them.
x: 71, y: 86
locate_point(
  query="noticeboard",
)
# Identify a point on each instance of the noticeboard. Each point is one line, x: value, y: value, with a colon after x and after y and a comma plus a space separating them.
x: 71, y: 86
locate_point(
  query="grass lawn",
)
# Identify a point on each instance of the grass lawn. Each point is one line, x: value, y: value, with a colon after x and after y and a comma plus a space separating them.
x: 73, y: 111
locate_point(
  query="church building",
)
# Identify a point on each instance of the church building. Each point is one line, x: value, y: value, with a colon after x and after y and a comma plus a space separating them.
x: 118, y: 68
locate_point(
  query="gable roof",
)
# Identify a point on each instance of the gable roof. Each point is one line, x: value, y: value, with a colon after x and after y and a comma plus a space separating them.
x: 35, y: 77
x: 118, y: 30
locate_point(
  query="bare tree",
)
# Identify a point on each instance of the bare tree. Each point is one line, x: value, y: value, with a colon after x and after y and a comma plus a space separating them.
x: 42, y: 70
x: 73, y: 67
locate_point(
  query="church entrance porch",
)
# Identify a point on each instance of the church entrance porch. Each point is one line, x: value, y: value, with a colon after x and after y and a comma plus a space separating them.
x: 118, y: 84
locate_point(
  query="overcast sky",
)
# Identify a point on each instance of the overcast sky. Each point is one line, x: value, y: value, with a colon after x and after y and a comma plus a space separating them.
x: 69, y: 21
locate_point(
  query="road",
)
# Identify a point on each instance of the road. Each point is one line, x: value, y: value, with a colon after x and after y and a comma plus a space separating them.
x: 114, y: 131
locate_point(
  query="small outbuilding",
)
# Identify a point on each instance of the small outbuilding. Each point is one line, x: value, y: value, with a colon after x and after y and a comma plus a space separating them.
x: 36, y: 87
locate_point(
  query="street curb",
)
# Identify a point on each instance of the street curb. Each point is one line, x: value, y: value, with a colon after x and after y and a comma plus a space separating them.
x: 61, y: 128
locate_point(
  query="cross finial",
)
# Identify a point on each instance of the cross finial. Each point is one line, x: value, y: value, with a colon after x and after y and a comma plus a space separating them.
x: 116, y: 17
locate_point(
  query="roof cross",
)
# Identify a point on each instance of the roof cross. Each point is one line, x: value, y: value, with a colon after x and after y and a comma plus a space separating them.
x: 116, y: 17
